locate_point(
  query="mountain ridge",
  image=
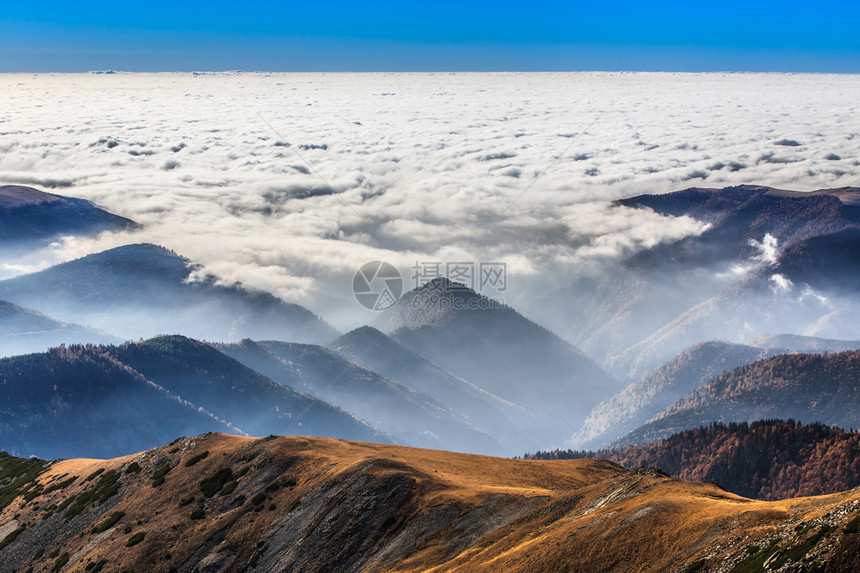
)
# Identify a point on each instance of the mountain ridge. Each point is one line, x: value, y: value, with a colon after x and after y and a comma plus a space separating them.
x: 25, y: 330
x: 767, y: 459
x: 104, y: 400
x: 641, y: 400
x: 413, y: 417
x: 748, y: 226
x: 807, y: 387
x: 317, y: 504
x: 27, y: 214
x: 142, y: 290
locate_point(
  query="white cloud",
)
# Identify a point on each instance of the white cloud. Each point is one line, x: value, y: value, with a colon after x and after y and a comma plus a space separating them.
x: 289, y: 182
x: 781, y: 284
x: 768, y: 250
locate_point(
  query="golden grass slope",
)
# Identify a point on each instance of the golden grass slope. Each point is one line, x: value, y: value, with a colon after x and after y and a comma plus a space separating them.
x: 317, y: 504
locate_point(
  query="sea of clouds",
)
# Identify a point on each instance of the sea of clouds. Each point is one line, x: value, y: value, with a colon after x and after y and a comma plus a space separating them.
x: 290, y: 182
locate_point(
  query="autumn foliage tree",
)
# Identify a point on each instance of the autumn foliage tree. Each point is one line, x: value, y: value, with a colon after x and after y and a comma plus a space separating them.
x: 768, y: 459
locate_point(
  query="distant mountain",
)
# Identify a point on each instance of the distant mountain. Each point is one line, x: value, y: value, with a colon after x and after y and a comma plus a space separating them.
x: 503, y: 353
x: 373, y: 349
x: 647, y: 397
x: 249, y: 400
x: 745, y: 213
x: 78, y: 401
x: 28, y: 215
x: 770, y: 459
x: 807, y: 387
x: 109, y: 400
x: 23, y: 330
x: 805, y: 344
x: 411, y: 416
x: 143, y: 290
x: 637, y: 301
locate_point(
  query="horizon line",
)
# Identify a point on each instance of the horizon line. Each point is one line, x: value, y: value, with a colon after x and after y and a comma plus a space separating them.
x: 109, y: 71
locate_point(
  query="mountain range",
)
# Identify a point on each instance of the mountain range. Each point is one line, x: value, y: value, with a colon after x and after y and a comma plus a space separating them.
x: 97, y: 401
x: 731, y: 325
x: 374, y: 350
x: 662, y: 387
x: 388, y: 405
x: 688, y: 371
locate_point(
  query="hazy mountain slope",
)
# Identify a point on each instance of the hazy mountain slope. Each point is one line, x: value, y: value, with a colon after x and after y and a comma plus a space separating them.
x: 805, y: 387
x: 503, y: 353
x: 411, y: 416
x: 748, y: 226
x: 28, y: 215
x: 143, y: 290
x: 768, y: 459
x: 798, y: 343
x: 828, y: 262
x: 373, y: 349
x: 77, y: 401
x: 808, y: 281
x: 255, y: 404
x: 647, y: 397
x: 606, y: 314
x: 23, y: 330
x: 313, y: 504
x: 729, y: 316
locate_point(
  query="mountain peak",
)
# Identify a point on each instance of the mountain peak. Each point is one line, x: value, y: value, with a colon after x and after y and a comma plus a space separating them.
x: 140, y: 257
x: 367, y: 339
x: 441, y: 283
x: 435, y: 303
x: 147, y: 249
x: 15, y: 196
x: 27, y: 214
x: 361, y: 333
x: 444, y: 285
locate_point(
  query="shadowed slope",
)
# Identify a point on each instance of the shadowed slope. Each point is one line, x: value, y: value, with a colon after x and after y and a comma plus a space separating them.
x: 414, y: 418
x: 373, y: 349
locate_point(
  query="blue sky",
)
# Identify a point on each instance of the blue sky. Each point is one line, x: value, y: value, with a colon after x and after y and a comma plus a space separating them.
x: 429, y: 36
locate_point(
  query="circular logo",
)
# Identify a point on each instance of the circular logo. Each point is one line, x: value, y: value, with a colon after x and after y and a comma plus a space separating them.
x: 377, y: 285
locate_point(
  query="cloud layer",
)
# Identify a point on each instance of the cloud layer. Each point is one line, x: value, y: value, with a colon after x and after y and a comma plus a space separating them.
x: 289, y: 182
